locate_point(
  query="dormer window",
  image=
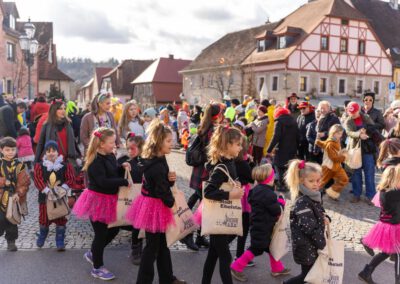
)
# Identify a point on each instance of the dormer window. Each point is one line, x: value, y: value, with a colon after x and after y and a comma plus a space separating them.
x: 11, y: 21
x: 261, y: 45
x: 282, y: 42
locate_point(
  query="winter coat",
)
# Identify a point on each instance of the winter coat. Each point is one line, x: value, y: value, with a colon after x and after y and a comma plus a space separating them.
x: 8, y: 120
x: 332, y: 148
x: 24, y: 146
x: 294, y: 111
x: 302, y: 122
x: 307, y: 229
x: 390, y: 206
x: 265, y: 211
x: 353, y: 132
x: 42, y: 120
x: 39, y: 108
x: 325, y: 123
x: 217, y: 178
x: 259, y: 127
x: 155, y: 180
x: 377, y: 117
x: 285, y: 139
x: 270, y: 127
x: 311, y: 136
x: 19, y: 182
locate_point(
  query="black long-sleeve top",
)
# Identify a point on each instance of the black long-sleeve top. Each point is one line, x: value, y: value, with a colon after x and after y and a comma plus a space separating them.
x: 217, y: 178
x: 243, y: 171
x: 136, y: 171
x: 155, y: 182
x: 104, y: 175
x: 390, y: 206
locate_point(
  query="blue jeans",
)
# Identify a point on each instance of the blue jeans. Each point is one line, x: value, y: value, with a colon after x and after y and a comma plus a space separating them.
x: 368, y: 166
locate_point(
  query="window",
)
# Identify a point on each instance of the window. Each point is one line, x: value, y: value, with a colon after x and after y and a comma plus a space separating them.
x: 12, y: 22
x: 261, y: 45
x: 201, y: 81
x: 322, y: 85
x: 9, y: 87
x: 342, y: 86
x: 324, y: 43
x: 303, y: 84
x: 360, y: 86
x: 274, y: 86
x: 361, y: 47
x: 261, y: 81
x: 281, y: 42
x: 10, y: 51
x: 210, y: 80
x: 345, y: 22
x: 376, y: 87
x: 343, y: 45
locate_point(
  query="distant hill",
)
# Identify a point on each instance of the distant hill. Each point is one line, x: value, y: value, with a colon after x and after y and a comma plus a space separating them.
x: 81, y: 69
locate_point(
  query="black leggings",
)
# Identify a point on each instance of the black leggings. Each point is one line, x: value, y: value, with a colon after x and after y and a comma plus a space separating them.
x: 155, y: 249
x: 102, y: 237
x: 241, y: 241
x: 218, y: 250
x: 299, y: 279
x: 257, y: 154
x: 135, y: 234
x: 381, y: 257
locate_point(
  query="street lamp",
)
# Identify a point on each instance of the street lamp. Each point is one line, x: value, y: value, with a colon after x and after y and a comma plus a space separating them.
x: 29, y: 46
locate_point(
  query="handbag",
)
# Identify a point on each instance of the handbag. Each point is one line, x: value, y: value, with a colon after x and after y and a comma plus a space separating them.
x: 329, y: 266
x: 126, y: 195
x: 354, y: 157
x: 222, y: 217
x: 13, y: 213
x: 183, y: 216
x: 57, y: 203
x: 281, y: 236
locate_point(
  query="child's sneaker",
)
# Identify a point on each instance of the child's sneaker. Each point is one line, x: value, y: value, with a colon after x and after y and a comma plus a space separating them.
x: 285, y: 271
x: 102, y: 273
x: 251, y: 264
x: 239, y: 276
x: 88, y: 256
x: 11, y: 246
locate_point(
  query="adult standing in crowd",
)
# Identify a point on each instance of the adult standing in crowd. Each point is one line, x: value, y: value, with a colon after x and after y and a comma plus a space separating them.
x: 284, y: 141
x: 9, y: 124
x: 99, y: 116
x: 271, y: 122
x: 292, y: 105
x: 57, y: 128
x: 391, y: 116
x: 131, y: 120
x: 259, y: 127
x: 374, y: 113
x: 39, y: 107
x: 311, y: 136
x: 327, y: 119
x: 359, y: 128
x: 306, y: 117
x: 196, y: 115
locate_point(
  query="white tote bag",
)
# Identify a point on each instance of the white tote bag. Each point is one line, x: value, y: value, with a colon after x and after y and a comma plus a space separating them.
x: 183, y: 216
x: 329, y: 266
x: 354, y: 157
x: 222, y: 217
x: 126, y: 195
x: 281, y: 236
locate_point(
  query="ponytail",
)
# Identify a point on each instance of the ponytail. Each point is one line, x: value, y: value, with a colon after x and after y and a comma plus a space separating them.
x: 99, y: 135
x: 388, y: 147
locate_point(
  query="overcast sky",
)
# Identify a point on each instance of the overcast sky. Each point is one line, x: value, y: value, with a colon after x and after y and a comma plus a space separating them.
x: 143, y: 29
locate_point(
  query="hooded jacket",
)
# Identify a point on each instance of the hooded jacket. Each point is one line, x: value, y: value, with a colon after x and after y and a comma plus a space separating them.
x: 8, y: 120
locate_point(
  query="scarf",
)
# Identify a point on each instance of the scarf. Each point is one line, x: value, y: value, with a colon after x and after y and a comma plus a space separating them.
x: 314, y: 195
x: 50, y: 166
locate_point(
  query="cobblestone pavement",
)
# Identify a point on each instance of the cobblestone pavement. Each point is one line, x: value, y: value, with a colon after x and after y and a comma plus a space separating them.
x: 349, y: 221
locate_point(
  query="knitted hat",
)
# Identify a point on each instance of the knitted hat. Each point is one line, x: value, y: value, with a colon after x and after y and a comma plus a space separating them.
x: 353, y: 107
x: 263, y: 109
x: 51, y: 144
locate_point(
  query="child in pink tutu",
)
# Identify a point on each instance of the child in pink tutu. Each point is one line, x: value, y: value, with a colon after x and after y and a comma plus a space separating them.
x: 385, y: 235
x: 98, y: 202
x: 151, y: 211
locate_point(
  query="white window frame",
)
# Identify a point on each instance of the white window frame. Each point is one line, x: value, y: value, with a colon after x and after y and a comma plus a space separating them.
x: 338, y: 86
x: 319, y: 85
x: 13, y: 51
x: 307, y: 84
x: 12, y: 21
x: 272, y: 83
x: 373, y: 87
x: 363, y: 85
x: 258, y: 82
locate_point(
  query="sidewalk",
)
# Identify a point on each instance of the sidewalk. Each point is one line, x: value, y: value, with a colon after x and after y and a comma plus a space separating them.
x: 49, y: 266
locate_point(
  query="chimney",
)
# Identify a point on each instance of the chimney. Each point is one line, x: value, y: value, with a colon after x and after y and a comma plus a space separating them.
x: 171, y: 56
x: 394, y: 4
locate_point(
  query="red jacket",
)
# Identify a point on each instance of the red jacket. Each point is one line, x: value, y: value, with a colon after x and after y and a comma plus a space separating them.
x: 38, y: 108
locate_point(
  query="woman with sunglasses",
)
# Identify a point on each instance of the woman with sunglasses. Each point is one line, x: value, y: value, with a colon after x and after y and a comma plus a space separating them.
x: 57, y: 128
x: 99, y: 116
x: 375, y: 114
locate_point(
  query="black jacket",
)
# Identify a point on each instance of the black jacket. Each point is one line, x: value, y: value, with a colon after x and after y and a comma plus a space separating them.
x: 307, y: 226
x: 325, y: 123
x: 265, y: 211
x: 155, y: 181
x: 217, y: 178
x: 8, y: 120
x: 302, y: 122
x: 243, y: 170
x: 104, y: 175
x: 390, y: 210
x: 285, y: 139
x: 311, y: 136
x: 136, y: 171
x: 377, y: 117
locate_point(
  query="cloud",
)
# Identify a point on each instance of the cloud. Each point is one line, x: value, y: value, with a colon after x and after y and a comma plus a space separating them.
x: 213, y: 14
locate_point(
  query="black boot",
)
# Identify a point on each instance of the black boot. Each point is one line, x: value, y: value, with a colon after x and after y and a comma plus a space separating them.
x: 201, y: 241
x: 188, y: 241
x: 366, y: 274
x: 136, y: 255
x: 367, y: 248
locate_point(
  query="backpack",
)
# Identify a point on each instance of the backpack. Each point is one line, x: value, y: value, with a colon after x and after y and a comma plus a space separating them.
x: 195, y: 154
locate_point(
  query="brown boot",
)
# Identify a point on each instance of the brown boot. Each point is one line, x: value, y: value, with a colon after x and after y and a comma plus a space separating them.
x: 332, y: 194
x: 239, y: 276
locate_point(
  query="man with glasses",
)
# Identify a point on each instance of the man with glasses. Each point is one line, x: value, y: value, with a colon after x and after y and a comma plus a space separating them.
x: 375, y: 114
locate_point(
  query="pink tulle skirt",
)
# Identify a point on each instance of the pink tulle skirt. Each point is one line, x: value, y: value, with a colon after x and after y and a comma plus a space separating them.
x: 245, y: 203
x: 384, y: 237
x: 150, y: 214
x: 97, y: 207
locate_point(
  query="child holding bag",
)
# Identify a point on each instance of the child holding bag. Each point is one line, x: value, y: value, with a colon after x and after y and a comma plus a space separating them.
x: 307, y: 218
x: 134, y: 145
x: 151, y: 211
x: 98, y: 202
x: 225, y: 145
x: 385, y: 235
x: 265, y: 211
x: 52, y: 168
x: 332, y: 162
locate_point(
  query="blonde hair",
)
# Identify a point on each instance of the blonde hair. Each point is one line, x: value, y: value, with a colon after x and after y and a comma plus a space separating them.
x: 260, y: 173
x: 94, y: 144
x: 125, y: 119
x: 388, y: 147
x: 220, y: 139
x: 156, y: 134
x: 294, y: 174
x: 390, y: 178
x: 335, y: 129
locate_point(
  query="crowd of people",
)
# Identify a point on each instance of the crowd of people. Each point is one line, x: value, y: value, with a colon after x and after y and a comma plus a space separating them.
x: 269, y: 148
